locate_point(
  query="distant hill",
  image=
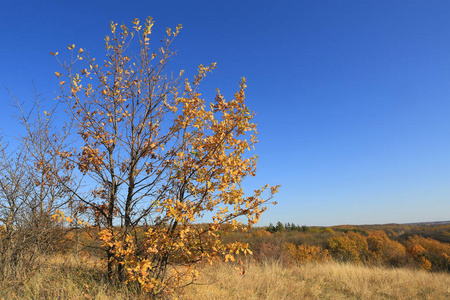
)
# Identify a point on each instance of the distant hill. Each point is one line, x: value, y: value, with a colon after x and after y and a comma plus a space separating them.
x: 429, y: 223
x: 439, y: 231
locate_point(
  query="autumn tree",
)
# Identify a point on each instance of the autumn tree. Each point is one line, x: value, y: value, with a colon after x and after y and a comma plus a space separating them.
x: 384, y: 250
x: 34, y: 187
x: 300, y: 254
x: 160, y: 158
x: 350, y: 247
x: 429, y: 253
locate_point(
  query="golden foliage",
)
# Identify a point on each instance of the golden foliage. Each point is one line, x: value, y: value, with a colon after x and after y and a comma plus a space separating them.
x: 304, y: 254
x: 157, y: 150
x: 351, y: 247
x: 384, y: 250
x: 429, y: 253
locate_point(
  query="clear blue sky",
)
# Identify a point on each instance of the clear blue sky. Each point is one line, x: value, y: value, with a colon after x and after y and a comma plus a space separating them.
x: 352, y: 97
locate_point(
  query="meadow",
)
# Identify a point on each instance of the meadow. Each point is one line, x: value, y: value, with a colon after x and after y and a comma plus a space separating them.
x: 62, y: 277
x: 304, y: 263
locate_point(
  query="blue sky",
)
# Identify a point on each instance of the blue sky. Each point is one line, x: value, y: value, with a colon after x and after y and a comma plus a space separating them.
x: 352, y: 97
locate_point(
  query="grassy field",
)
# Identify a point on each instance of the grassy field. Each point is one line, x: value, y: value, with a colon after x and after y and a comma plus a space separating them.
x: 271, y: 280
x: 63, y: 278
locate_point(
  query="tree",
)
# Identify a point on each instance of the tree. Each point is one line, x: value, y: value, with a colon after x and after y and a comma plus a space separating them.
x: 160, y: 157
x: 350, y: 247
x: 300, y: 254
x: 287, y: 226
x: 430, y: 254
x: 384, y: 250
x: 271, y: 228
x: 34, y: 181
x: 279, y: 227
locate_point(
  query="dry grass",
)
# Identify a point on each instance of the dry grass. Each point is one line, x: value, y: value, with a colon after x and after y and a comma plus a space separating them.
x: 320, y: 281
x: 64, y: 278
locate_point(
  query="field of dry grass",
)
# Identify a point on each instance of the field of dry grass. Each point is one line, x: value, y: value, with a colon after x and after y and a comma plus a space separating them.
x: 320, y: 281
x: 64, y: 278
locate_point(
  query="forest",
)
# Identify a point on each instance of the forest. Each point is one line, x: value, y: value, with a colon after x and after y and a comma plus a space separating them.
x: 392, y: 245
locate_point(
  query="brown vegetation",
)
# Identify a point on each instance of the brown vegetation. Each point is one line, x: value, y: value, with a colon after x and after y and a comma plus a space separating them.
x: 62, y: 277
x: 374, y: 246
x: 348, y: 265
